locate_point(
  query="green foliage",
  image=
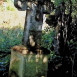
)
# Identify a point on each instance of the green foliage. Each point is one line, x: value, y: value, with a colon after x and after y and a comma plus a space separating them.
x: 47, y: 38
x: 57, y: 2
x: 10, y: 37
x: 11, y: 8
x: 72, y: 46
x: 5, y: 59
x: 74, y: 5
x: 8, y: 5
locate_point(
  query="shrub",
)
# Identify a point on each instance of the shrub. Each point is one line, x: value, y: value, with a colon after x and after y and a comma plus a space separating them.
x: 10, y: 37
x: 47, y: 38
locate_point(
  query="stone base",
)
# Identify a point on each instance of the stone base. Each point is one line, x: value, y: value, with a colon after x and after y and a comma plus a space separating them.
x: 28, y: 65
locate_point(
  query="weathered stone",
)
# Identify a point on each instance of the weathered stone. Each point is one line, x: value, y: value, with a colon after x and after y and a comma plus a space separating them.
x: 28, y: 65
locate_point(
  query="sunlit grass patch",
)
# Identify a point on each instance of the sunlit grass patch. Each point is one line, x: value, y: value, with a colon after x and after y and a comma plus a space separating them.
x: 7, y: 5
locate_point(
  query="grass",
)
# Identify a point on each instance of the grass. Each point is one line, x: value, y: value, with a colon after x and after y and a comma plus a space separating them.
x: 10, y: 36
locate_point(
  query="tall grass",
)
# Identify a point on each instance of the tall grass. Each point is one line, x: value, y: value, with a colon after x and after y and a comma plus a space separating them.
x: 9, y: 37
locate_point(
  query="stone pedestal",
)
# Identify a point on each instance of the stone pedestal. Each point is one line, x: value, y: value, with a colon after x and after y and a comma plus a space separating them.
x: 27, y: 64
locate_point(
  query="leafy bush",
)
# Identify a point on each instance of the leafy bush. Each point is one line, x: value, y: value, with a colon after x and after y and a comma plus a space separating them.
x: 10, y: 37
x: 47, y: 38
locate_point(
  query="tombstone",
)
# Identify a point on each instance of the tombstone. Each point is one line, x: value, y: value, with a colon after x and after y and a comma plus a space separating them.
x: 27, y: 64
x: 29, y: 60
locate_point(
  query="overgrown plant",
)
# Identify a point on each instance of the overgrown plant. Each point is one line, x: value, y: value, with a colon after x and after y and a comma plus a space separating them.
x: 10, y: 37
x: 47, y: 38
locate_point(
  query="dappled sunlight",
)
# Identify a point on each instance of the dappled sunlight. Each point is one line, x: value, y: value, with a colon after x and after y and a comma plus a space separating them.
x: 45, y: 59
x: 33, y: 65
x: 22, y: 49
x: 31, y: 40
